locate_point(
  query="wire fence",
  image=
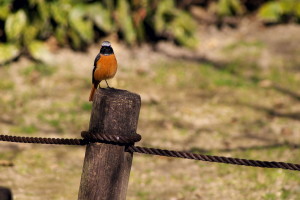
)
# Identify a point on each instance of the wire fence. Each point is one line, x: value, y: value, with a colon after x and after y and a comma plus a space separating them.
x: 128, y: 142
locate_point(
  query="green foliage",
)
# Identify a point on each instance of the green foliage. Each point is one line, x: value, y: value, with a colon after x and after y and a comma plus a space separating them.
x: 8, y: 52
x: 125, y: 22
x: 171, y: 21
x: 229, y: 7
x: 14, y: 25
x: 273, y: 11
x: 39, y: 50
x: 101, y: 17
x: 27, y: 23
x: 4, y: 9
x: 83, y: 27
x: 278, y: 11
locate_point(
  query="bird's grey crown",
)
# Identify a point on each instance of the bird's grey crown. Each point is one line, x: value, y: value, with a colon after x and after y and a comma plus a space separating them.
x: 106, y: 44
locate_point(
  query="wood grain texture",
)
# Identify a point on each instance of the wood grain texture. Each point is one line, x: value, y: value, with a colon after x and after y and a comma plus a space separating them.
x: 106, y: 167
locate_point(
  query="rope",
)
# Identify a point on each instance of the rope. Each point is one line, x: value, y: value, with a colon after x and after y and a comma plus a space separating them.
x: 39, y: 140
x: 102, y: 137
x: 152, y: 151
x: 219, y: 159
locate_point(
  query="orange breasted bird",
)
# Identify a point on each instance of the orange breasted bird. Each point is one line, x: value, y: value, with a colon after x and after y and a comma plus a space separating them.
x: 105, y: 67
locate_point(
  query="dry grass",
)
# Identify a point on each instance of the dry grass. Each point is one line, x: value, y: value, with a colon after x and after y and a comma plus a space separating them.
x: 232, y: 110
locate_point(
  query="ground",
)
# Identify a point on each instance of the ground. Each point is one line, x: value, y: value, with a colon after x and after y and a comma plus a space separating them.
x: 236, y: 95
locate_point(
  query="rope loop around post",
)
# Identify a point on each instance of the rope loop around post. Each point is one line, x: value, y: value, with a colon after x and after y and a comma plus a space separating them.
x: 129, y: 141
x: 111, y: 138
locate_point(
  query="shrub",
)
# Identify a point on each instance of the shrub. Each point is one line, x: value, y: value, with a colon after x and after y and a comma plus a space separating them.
x: 280, y: 11
x: 78, y: 23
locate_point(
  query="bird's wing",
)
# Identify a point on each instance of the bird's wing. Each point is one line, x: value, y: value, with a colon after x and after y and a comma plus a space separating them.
x: 95, y: 66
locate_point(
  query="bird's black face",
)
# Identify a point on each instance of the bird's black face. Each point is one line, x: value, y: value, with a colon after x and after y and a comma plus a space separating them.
x: 106, y: 50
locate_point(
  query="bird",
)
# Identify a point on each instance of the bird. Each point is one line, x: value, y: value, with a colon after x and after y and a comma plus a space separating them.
x: 105, y: 67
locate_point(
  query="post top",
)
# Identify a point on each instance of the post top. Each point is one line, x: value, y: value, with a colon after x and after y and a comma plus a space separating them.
x: 115, y: 112
x: 116, y: 94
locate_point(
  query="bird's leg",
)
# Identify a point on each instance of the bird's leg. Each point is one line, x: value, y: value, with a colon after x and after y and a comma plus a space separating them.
x: 107, y: 84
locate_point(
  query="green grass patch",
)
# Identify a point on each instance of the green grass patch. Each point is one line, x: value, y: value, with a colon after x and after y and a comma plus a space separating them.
x: 42, y: 69
x: 270, y: 196
x: 54, y: 120
x: 283, y: 77
x: 243, y: 43
x: 190, y: 75
x: 26, y: 129
x: 285, y: 194
x: 189, y: 188
x: 142, y: 195
x: 65, y: 116
x: 6, y: 85
x: 86, y: 106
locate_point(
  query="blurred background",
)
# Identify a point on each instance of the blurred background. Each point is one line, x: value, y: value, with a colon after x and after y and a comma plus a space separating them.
x: 217, y: 77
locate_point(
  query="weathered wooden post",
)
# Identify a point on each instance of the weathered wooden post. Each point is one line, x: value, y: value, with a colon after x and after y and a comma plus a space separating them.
x: 5, y: 193
x: 106, y: 167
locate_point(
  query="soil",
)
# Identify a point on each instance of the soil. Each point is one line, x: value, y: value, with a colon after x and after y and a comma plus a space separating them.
x: 236, y: 95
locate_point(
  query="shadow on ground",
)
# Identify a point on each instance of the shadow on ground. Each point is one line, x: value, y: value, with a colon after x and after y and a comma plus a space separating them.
x: 287, y: 92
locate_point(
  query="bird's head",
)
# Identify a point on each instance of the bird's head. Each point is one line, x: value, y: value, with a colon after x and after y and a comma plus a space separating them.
x: 106, y: 48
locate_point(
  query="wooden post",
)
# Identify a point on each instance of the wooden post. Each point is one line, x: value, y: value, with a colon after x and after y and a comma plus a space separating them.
x: 5, y: 193
x: 106, y: 167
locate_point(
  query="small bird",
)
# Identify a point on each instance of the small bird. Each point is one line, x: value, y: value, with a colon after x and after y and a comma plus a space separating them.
x: 105, y: 67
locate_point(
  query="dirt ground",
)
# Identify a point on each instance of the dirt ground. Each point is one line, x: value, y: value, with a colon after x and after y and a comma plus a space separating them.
x: 236, y: 95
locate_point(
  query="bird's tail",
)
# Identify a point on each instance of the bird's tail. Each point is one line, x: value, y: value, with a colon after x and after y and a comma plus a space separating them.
x: 92, y: 93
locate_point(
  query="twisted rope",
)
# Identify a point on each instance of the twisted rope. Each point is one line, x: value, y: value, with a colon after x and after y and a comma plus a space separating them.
x: 152, y: 151
x: 39, y: 140
x: 219, y: 159
x: 124, y: 139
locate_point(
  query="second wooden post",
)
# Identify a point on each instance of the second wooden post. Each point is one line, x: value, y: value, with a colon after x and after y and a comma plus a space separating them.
x: 106, y: 167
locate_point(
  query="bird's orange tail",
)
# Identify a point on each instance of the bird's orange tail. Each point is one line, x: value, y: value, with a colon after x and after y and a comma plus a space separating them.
x: 92, y: 93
